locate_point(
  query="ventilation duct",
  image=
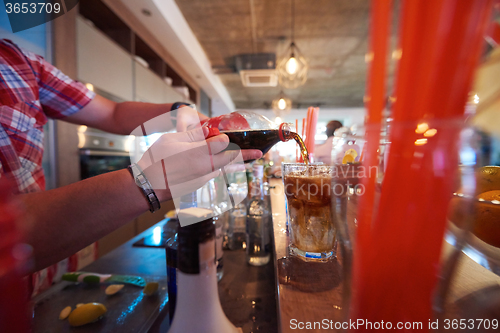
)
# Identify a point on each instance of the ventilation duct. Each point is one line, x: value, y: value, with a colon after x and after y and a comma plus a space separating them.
x: 257, y: 70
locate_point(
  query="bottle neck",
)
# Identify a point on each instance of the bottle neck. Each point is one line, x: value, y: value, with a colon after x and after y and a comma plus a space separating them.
x: 258, y: 188
x: 285, y: 132
x: 258, y: 182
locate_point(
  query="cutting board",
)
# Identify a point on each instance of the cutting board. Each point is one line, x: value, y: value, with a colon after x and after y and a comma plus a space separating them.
x: 128, y: 311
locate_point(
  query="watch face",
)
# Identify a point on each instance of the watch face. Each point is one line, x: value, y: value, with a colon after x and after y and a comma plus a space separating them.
x: 140, y: 179
x: 177, y: 105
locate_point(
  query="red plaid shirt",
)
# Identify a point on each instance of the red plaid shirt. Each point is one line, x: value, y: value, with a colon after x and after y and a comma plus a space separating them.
x: 31, y: 90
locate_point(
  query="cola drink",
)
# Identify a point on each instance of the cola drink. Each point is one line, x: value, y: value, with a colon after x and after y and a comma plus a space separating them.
x: 249, y: 130
x: 311, y: 224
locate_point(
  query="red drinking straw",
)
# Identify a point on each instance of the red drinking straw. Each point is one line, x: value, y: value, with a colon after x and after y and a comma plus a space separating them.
x: 377, y: 59
x: 313, y: 121
x: 441, y: 43
x: 308, y: 128
x: 296, y: 148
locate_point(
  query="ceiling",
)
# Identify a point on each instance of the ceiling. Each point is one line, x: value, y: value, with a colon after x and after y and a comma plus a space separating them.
x: 332, y: 35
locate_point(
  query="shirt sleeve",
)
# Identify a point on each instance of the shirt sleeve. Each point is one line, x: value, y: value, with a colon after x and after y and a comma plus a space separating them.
x: 59, y: 95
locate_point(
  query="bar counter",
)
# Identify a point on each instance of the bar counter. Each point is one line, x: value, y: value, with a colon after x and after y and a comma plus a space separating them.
x: 272, y: 298
x: 247, y: 293
x: 311, y: 292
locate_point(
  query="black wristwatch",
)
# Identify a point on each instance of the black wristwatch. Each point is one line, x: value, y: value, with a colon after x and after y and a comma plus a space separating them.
x: 145, y: 186
x: 176, y: 105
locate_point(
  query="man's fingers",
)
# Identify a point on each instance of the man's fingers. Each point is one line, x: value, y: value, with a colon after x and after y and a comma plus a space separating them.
x: 193, y: 135
x: 222, y: 159
x: 217, y: 143
x: 251, y: 154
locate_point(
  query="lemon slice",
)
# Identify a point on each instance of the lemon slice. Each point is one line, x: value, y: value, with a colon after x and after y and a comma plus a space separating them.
x: 86, y: 313
x: 347, y: 159
x: 113, y: 289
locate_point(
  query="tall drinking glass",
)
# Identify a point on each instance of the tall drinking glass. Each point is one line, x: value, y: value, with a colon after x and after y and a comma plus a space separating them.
x: 311, y: 213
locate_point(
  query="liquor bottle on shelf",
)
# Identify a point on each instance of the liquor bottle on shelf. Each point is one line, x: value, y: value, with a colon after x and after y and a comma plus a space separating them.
x: 250, y: 130
x: 237, y: 217
x: 257, y: 222
x: 198, y: 306
x: 238, y: 190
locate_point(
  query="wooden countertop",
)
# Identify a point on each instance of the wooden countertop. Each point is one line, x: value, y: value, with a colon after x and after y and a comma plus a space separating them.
x: 309, y: 292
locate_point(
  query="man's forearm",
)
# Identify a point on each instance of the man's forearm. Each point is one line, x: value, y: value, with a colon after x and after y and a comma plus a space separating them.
x: 119, y: 118
x: 128, y: 115
x: 67, y: 219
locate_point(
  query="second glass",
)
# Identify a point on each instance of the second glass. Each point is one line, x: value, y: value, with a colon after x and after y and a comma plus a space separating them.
x: 309, y: 209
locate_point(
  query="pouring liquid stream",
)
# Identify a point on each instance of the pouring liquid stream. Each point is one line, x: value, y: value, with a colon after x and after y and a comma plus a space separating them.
x: 302, y: 146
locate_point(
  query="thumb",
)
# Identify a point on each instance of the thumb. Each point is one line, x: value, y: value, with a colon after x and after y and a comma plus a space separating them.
x: 206, y: 132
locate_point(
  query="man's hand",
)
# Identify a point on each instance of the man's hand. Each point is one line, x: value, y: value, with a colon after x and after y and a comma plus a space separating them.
x: 187, y: 118
x: 183, y: 162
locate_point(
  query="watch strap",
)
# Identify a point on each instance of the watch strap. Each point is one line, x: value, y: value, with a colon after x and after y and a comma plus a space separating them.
x: 145, y: 186
x: 177, y: 105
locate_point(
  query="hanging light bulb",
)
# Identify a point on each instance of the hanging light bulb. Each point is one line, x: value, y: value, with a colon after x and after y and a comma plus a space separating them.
x: 282, y: 104
x: 291, y: 65
x: 292, y: 68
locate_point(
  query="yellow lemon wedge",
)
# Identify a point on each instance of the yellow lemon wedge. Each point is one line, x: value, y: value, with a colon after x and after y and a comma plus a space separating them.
x: 113, y: 289
x: 347, y: 159
x: 87, y: 313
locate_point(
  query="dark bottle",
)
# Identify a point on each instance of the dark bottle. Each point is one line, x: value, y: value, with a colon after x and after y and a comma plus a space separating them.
x: 254, y: 139
x: 258, y: 220
x: 198, y: 305
x: 186, y: 201
x: 250, y: 130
